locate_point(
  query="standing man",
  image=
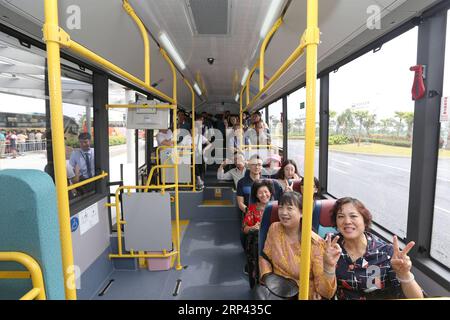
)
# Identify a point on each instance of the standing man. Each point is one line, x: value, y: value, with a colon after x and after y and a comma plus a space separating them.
x: 2, y: 143
x: 13, y: 144
x: 164, y: 137
x: 31, y: 140
x: 38, y: 137
x: 83, y: 159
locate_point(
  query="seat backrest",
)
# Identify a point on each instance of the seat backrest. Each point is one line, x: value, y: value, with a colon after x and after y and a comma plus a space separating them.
x: 321, y: 222
x: 270, y: 216
x: 325, y: 223
x: 296, y: 185
x: 29, y: 224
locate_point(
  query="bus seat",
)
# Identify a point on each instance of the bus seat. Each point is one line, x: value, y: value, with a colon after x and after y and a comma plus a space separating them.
x: 325, y: 223
x: 278, y: 191
x: 29, y: 224
x: 321, y: 219
x: 296, y: 185
x: 270, y: 216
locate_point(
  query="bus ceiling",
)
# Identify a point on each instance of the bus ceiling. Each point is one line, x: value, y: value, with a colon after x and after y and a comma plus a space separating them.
x: 218, y: 41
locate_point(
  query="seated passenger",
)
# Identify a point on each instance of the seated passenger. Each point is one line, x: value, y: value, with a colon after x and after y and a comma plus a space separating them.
x: 234, y: 174
x: 281, y: 254
x: 255, y: 118
x: 244, y: 185
x: 366, y: 267
x: 164, y: 137
x: 262, y: 192
x: 288, y: 171
x: 273, y: 165
x: 317, y: 193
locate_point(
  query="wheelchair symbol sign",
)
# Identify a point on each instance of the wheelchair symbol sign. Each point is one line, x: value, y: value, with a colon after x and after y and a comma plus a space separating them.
x: 74, y: 224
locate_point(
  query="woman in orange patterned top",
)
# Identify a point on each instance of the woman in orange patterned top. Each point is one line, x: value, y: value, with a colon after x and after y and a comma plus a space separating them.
x: 261, y: 194
x: 282, y: 250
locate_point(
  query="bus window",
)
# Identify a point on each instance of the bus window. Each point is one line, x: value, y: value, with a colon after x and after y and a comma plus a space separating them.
x: 121, y: 140
x: 296, y: 116
x: 275, y: 125
x: 23, y: 118
x: 440, y: 237
x: 79, y: 134
x: 371, y: 127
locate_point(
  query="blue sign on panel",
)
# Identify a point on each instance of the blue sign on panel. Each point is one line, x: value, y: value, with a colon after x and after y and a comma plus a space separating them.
x: 74, y: 223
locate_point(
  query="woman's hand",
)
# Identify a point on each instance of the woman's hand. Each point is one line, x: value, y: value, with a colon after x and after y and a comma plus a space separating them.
x: 289, y: 187
x: 332, y: 253
x: 400, y: 261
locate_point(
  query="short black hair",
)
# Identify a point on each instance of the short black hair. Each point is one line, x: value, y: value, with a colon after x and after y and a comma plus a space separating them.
x: 257, y: 185
x: 84, y: 136
x: 291, y: 198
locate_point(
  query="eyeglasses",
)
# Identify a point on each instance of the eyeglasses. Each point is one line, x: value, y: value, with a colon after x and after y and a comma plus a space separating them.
x: 256, y: 164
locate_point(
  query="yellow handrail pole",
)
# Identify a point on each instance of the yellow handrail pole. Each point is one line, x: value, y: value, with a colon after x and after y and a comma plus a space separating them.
x: 119, y: 221
x: 292, y: 58
x: 247, y: 90
x: 15, y: 275
x: 150, y: 175
x: 177, y: 216
x: 312, y: 40
x: 177, y: 203
x: 82, y: 51
x: 32, y: 294
x: 159, y: 172
x: 263, y: 51
x: 129, y: 9
x: 241, y: 133
x: 87, y: 181
x: 250, y: 75
x: 33, y: 268
x: 52, y: 38
x: 138, y: 106
x: 193, y: 132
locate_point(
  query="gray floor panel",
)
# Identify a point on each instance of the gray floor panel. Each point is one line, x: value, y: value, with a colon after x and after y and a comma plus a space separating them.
x: 214, y: 258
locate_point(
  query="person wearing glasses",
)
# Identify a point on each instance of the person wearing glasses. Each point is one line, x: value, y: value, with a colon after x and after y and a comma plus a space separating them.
x: 244, y: 185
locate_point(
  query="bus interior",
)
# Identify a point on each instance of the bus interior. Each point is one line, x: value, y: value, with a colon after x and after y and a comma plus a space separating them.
x: 146, y: 220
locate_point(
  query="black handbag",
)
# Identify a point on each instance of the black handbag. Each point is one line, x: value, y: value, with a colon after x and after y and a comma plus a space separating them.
x: 276, y: 287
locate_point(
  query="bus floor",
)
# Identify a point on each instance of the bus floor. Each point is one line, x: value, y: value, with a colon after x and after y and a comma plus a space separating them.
x: 213, y: 261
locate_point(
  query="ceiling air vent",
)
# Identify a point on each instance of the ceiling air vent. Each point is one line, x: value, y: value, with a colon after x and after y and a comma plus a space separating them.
x: 209, y: 17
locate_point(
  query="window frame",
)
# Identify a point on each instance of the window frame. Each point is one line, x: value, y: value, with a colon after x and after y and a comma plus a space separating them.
x: 418, y: 213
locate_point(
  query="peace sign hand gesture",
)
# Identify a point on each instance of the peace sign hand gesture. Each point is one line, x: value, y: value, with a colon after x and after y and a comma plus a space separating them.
x: 332, y: 253
x: 400, y: 261
x: 289, y: 187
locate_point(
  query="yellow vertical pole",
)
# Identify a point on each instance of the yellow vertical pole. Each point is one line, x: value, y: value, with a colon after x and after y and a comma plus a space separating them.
x: 193, y: 133
x: 247, y: 90
x: 129, y: 9
x: 249, y: 78
x: 241, y: 131
x: 263, y: 51
x: 119, y: 221
x: 312, y: 40
x: 51, y: 29
x: 177, y: 200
